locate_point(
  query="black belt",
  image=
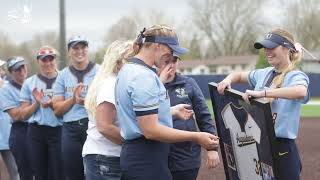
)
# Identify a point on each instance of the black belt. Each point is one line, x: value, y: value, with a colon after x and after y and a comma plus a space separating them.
x: 20, y: 123
x: 79, y: 122
x: 285, y: 140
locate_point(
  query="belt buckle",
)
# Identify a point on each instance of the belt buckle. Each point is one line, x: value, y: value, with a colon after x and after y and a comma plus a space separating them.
x: 80, y: 123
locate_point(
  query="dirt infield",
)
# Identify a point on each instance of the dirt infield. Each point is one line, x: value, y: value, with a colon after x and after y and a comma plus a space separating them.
x: 309, y: 146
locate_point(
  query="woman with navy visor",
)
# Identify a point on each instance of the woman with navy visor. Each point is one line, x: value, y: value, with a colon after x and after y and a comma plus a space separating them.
x: 287, y: 89
x: 70, y: 90
x: 44, y: 133
x: 143, y: 108
x: 185, y: 157
x: 10, y: 103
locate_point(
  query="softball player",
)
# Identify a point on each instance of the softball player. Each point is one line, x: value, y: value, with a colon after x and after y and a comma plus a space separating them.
x: 69, y: 92
x: 143, y: 108
x: 44, y: 132
x: 10, y: 103
x: 287, y: 88
x: 5, y: 127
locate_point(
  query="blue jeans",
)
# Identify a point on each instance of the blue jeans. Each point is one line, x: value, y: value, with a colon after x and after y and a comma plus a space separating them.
x: 100, y: 167
x: 73, y: 137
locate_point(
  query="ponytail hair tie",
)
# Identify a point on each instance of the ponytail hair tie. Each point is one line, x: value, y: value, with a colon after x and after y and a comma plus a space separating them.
x: 141, y: 36
x: 298, y: 47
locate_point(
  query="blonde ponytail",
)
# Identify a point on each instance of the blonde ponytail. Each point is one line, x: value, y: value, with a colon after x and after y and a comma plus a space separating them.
x: 294, y: 56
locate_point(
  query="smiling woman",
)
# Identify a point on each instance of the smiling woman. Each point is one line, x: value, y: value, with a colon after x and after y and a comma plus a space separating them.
x: 287, y: 89
x: 69, y: 92
x: 44, y: 131
x: 143, y: 108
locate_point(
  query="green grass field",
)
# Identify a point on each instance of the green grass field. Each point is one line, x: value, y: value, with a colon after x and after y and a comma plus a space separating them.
x: 308, y: 110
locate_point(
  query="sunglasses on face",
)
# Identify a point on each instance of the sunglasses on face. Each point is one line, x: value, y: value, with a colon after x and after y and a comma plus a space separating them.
x: 47, y: 59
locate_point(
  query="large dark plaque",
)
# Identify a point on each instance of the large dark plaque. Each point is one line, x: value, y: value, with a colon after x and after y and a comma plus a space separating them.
x: 247, y: 138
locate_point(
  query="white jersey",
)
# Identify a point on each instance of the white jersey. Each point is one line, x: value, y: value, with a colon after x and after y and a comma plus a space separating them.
x: 243, y: 142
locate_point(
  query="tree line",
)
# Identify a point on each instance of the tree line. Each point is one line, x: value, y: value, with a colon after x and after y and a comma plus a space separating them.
x: 211, y: 28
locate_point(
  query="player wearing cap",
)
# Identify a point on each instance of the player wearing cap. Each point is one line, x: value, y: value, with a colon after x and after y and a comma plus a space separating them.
x: 185, y: 157
x: 10, y: 103
x: 5, y: 126
x: 143, y: 108
x: 70, y: 90
x: 286, y: 87
x: 44, y: 132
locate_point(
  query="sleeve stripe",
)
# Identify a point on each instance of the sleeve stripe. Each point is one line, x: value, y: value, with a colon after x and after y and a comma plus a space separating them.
x: 149, y: 112
x: 146, y: 106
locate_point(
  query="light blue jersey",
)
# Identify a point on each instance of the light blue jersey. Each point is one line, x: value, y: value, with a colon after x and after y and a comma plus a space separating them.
x: 287, y: 110
x: 42, y: 116
x: 5, y: 127
x: 10, y: 96
x: 139, y: 92
x: 64, y: 86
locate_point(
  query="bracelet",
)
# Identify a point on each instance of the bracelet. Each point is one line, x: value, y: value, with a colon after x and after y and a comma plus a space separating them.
x: 265, y: 93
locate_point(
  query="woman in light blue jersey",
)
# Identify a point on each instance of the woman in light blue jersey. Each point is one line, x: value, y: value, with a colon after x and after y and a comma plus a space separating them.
x: 70, y: 90
x: 5, y: 127
x: 143, y: 108
x: 287, y: 89
x: 10, y: 103
x: 44, y: 132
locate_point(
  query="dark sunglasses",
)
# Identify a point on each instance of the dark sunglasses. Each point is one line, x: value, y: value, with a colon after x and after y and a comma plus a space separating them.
x: 47, y: 59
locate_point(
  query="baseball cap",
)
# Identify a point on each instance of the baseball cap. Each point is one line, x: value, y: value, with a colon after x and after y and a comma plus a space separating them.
x: 45, y: 51
x: 15, y: 63
x: 172, y: 42
x: 272, y: 40
x: 77, y: 39
x: 2, y: 62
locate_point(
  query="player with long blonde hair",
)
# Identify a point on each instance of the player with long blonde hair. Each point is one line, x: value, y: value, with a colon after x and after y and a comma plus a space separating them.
x: 103, y: 144
x: 287, y: 88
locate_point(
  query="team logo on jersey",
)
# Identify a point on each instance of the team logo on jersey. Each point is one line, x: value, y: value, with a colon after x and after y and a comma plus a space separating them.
x: 181, y: 92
